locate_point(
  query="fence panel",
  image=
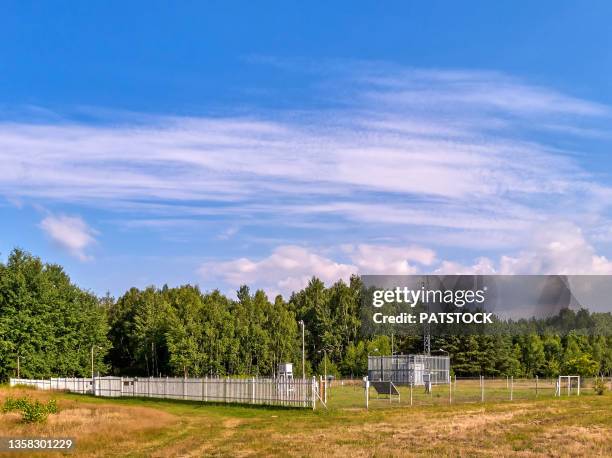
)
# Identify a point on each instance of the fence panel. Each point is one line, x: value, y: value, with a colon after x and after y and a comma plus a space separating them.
x: 302, y: 393
x: 40, y: 384
x: 264, y: 391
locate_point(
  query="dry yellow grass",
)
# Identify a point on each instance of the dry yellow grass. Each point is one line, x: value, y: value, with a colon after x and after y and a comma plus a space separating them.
x: 99, y: 429
x: 548, y: 427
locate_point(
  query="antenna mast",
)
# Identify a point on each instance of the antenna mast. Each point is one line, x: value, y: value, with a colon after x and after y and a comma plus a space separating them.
x: 426, y: 328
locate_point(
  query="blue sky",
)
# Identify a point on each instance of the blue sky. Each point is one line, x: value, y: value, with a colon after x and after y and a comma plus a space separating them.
x: 228, y: 142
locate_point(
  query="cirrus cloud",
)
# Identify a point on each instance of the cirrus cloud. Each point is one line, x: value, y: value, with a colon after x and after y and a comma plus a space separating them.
x: 425, y: 160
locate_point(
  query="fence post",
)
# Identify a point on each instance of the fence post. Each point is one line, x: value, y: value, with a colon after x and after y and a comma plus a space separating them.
x: 323, y: 388
x: 511, y: 387
x: 183, y: 388
x: 450, y: 393
x: 536, y: 386
x: 314, y: 392
x: 253, y: 390
x: 411, y: 394
x: 366, y: 385
x: 165, y: 387
x: 578, y: 385
x: 482, y: 388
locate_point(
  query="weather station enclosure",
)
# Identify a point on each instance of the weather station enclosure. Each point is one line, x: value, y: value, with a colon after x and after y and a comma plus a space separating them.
x: 409, y: 369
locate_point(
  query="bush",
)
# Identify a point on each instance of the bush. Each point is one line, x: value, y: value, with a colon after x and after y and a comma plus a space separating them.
x: 11, y: 405
x: 31, y: 411
x: 34, y: 412
x: 52, y: 406
x: 599, y: 386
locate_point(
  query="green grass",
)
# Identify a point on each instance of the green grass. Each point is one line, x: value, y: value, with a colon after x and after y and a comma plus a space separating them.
x: 576, y: 426
x: 465, y: 391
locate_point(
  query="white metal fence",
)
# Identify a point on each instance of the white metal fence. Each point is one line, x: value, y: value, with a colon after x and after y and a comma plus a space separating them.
x: 40, y: 384
x: 262, y: 391
x: 72, y: 384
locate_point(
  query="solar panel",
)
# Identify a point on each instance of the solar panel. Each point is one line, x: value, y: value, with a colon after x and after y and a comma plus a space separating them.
x: 385, y: 388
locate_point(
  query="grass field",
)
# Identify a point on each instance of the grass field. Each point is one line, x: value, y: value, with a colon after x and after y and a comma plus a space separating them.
x: 575, y: 426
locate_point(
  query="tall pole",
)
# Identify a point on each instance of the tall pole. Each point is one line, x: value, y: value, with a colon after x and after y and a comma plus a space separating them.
x: 303, y: 353
x: 325, y: 371
x: 325, y: 365
x: 427, y: 328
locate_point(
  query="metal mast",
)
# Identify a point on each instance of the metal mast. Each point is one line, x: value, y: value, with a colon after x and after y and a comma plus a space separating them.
x: 426, y: 327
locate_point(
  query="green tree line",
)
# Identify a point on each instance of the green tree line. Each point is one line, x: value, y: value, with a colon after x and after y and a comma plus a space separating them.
x: 52, y: 326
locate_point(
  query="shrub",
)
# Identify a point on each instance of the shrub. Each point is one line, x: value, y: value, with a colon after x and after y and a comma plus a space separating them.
x: 34, y: 412
x: 31, y: 411
x: 599, y: 386
x: 52, y: 406
x: 11, y: 404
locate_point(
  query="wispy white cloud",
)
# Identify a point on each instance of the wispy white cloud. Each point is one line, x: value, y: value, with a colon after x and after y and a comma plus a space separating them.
x: 70, y: 233
x: 487, y: 90
x: 445, y: 152
x: 228, y: 233
x: 406, y: 151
